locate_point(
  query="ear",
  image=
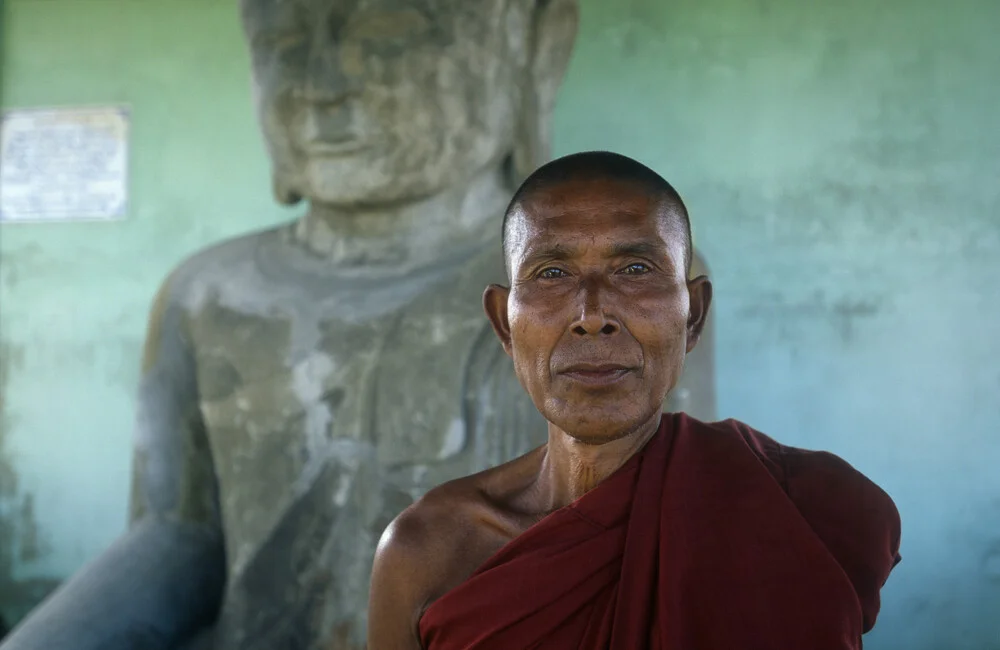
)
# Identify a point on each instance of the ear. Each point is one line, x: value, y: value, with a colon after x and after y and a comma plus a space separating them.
x: 553, y: 32
x: 495, y: 304
x: 700, y: 292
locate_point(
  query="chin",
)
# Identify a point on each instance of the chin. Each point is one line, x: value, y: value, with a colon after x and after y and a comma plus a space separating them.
x: 597, y: 426
x: 356, y: 180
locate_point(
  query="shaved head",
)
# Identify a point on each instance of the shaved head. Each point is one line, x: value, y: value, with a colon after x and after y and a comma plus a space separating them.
x: 605, y: 166
x: 598, y: 254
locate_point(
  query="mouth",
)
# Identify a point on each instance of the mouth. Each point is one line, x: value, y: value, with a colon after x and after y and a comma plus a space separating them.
x: 334, y: 148
x: 596, y: 374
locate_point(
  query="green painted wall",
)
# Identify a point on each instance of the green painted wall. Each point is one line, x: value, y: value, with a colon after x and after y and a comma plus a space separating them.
x: 74, y: 297
x: 841, y: 164
x: 840, y: 161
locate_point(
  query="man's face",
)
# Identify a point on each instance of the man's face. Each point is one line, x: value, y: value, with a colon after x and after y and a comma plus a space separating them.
x: 599, y: 315
x: 366, y: 101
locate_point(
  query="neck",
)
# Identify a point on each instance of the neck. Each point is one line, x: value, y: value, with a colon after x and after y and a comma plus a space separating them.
x: 406, y: 236
x: 572, y: 468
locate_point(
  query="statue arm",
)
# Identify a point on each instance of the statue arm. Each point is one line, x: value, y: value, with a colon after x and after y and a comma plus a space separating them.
x: 163, y: 580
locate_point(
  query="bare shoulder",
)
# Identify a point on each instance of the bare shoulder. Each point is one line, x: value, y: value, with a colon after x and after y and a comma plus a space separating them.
x: 419, y: 553
x: 425, y: 533
x: 441, y: 539
x: 435, y: 545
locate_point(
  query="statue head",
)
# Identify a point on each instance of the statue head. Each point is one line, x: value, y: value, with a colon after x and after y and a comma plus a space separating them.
x: 386, y: 101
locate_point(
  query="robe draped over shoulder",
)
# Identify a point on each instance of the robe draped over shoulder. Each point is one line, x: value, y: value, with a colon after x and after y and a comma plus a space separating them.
x: 712, y: 537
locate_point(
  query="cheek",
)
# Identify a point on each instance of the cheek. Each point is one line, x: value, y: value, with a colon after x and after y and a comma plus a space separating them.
x: 275, y: 106
x: 531, y: 345
x: 662, y: 331
x: 445, y: 106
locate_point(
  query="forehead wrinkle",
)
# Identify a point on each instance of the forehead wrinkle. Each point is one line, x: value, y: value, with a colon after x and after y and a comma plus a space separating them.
x: 524, y: 224
x: 537, y: 210
x: 556, y: 250
x: 642, y: 247
x: 560, y: 201
x: 663, y: 248
x: 545, y: 216
x: 549, y: 251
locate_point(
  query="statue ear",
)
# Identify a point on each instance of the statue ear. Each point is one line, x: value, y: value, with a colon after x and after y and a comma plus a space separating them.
x: 283, y: 192
x: 553, y: 31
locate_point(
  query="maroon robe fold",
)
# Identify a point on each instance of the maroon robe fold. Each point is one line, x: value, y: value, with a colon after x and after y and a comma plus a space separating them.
x: 713, y: 537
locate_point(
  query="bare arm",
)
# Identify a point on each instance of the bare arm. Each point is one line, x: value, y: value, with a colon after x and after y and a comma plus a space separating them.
x: 399, y: 584
x: 163, y: 580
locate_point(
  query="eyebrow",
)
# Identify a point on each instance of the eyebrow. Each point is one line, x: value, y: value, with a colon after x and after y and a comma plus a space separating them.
x: 561, y: 252
x: 636, y: 249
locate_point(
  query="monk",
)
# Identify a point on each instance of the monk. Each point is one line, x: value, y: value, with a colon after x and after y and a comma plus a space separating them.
x: 630, y: 528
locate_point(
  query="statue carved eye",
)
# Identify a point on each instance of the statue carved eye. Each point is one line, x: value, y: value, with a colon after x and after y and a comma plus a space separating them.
x: 276, y: 41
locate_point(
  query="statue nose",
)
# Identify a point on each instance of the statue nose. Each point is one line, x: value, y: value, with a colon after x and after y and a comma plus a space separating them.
x: 325, y: 80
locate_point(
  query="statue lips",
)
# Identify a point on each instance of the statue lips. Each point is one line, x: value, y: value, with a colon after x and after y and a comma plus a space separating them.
x: 331, y: 129
x: 334, y: 148
x: 596, y: 374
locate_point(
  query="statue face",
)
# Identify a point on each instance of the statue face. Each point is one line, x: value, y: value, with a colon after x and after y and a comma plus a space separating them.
x: 373, y: 101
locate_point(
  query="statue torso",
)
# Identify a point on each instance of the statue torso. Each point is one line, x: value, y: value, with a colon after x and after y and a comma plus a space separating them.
x: 331, y: 403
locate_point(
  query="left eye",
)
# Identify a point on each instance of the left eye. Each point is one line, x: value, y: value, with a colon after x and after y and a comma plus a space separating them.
x: 635, y: 269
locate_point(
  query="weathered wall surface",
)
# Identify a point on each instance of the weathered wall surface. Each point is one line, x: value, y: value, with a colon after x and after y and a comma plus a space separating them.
x: 840, y: 163
x: 74, y: 297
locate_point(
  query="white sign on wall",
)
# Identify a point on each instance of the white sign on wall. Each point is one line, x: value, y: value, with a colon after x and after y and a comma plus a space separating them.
x: 64, y: 164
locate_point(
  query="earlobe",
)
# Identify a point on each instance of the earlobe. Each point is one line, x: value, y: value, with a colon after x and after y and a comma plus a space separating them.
x: 283, y: 192
x: 495, y: 304
x: 700, y: 293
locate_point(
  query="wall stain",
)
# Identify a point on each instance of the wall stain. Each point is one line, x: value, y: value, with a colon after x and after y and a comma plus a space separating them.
x: 991, y: 563
x: 20, y: 540
x: 842, y: 313
x: 991, y: 559
x: 32, y: 545
x: 26, y: 261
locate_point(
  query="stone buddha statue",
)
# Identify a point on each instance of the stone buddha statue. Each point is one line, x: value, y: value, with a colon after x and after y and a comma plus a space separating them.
x: 304, y: 384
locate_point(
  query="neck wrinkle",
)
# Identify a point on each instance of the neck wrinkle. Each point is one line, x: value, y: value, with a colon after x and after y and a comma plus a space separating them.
x: 571, y: 469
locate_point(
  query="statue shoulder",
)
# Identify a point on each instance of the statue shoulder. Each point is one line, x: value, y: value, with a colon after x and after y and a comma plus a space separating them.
x: 187, y: 286
x: 215, y: 265
x: 207, y: 271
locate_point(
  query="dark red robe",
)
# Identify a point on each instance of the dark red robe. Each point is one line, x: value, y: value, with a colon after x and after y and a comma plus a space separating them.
x: 713, y: 537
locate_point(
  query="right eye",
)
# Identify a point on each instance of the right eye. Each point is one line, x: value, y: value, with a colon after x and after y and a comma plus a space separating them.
x: 552, y: 273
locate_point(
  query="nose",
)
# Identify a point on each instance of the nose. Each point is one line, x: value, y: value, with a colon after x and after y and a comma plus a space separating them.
x: 325, y: 80
x: 596, y: 316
